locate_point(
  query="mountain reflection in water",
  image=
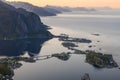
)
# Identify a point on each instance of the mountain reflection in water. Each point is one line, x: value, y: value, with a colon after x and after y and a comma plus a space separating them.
x: 18, y: 47
x: 13, y: 49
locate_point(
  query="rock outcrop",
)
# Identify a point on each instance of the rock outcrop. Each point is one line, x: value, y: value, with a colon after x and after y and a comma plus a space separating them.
x: 100, y: 60
x: 19, y: 23
x: 85, y: 77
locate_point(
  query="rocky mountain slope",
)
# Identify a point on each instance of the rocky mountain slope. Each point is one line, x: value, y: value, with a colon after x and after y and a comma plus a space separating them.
x: 32, y: 8
x: 19, y: 23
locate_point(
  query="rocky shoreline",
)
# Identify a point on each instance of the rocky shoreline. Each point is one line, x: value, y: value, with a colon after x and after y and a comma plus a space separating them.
x: 65, y: 37
x: 7, y: 66
x: 100, y: 60
x: 96, y: 59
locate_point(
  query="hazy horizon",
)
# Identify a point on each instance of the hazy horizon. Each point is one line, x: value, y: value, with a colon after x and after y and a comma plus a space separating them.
x: 75, y: 3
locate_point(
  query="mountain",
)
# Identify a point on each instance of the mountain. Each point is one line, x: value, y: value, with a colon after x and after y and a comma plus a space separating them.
x: 19, y: 23
x: 104, y: 8
x: 60, y: 9
x: 84, y: 9
x: 52, y: 9
x: 41, y: 11
x: 29, y: 7
x: 69, y: 9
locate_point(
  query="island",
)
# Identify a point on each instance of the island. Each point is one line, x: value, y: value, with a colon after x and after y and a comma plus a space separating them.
x: 85, y: 77
x: 97, y: 59
x: 62, y: 56
x: 7, y: 66
x: 67, y: 38
x: 100, y: 60
x: 69, y: 44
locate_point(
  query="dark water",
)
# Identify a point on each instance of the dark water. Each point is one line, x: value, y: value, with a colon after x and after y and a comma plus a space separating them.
x: 19, y: 47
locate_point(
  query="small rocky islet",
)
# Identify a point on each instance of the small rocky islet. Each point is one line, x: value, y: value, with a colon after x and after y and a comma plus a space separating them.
x: 85, y: 77
x: 100, y: 60
x: 65, y: 37
x: 96, y: 34
x: 94, y: 58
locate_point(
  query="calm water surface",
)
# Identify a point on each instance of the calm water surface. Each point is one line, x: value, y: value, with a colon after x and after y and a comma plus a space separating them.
x: 82, y: 26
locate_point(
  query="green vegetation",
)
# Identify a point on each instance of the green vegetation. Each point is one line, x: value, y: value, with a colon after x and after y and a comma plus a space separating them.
x: 7, y: 65
x: 100, y: 60
x: 62, y: 56
x: 5, y: 69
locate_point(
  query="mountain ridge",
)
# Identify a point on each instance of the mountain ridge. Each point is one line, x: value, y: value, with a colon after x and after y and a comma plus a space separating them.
x: 32, y: 8
x: 19, y: 23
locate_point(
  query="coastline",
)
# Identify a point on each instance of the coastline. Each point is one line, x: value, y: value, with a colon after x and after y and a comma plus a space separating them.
x: 66, y: 56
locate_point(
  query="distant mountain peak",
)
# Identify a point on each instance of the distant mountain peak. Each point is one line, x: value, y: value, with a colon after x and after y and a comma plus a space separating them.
x: 32, y: 8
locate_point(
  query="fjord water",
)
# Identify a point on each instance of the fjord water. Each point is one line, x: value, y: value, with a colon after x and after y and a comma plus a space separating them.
x: 81, y: 25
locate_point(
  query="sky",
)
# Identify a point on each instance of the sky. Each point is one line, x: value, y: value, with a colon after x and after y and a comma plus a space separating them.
x: 75, y: 3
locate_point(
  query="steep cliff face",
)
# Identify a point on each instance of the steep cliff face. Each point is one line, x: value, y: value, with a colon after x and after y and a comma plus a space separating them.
x: 19, y: 23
